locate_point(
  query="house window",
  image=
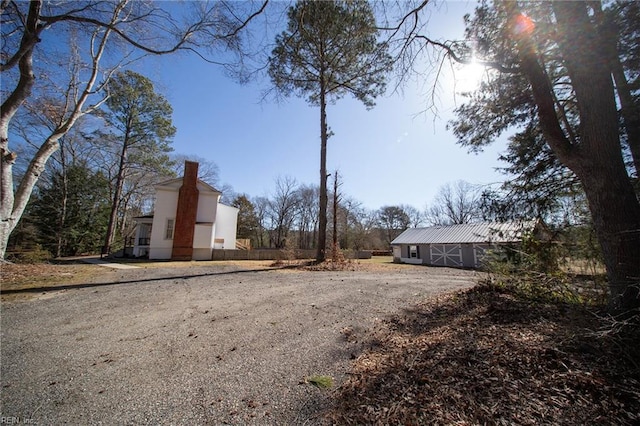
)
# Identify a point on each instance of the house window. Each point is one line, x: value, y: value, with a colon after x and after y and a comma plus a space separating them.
x: 168, y: 233
x: 413, y: 252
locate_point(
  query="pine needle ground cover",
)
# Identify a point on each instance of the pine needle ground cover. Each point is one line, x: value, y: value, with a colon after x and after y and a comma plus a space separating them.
x: 485, y: 356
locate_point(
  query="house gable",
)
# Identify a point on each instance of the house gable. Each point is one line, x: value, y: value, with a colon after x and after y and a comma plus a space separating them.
x: 196, y: 237
x: 175, y: 184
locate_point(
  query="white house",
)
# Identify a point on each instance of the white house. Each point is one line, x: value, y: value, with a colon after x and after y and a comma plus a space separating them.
x: 188, y: 222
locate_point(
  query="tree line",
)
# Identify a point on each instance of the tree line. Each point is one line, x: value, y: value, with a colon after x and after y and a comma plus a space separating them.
x: 71, y: 209
x: 561, y: 76
x: 288, y: 218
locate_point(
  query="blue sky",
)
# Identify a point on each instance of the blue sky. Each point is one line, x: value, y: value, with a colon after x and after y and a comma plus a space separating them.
x: 392, y: 154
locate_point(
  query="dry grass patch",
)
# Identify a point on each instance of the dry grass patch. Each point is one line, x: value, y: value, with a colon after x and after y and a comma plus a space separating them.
x: 244, y: 264
x: 486, y: 357
x: 29, y: 276
x: 375, y: 264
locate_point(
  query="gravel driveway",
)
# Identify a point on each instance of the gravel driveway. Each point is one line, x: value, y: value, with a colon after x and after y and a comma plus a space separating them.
x: 204, y: 345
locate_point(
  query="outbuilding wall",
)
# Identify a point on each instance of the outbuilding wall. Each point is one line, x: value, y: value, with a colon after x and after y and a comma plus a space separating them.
x: 468, y: 255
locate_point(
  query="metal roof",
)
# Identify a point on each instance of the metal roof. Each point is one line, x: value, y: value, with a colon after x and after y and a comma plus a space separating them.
x: 494, y: 232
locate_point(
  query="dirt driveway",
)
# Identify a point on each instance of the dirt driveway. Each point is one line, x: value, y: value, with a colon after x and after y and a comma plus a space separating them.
x: 204, y: 345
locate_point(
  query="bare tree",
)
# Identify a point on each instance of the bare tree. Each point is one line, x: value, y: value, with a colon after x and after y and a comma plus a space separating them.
x: 455, y: 204
x: 127, y: 29
x: 362, y: 228
x: 261, y: 206
x: 307, y: 216
x: 282, y: 209
x: 355, y: 224
x: 416, y: 217
x: 392, y: 220
x: 208, y: 171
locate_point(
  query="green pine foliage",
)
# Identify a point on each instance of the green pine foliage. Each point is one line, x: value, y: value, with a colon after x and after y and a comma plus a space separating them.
x: 71, y: 211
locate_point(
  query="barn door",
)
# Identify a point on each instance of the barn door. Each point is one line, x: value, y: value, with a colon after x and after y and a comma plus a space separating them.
x: 479, y: 253
x: 446, y: 254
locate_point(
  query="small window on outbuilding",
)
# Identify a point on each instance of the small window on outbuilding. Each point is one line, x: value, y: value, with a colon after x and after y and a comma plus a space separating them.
x: 168, y: 233
x: 413, y: 252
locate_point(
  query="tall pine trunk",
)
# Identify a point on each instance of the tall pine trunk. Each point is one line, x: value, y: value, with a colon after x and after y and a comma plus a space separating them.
x: 597, y: 160
x: 612, y: 200
x: 113, y: 216
x: 322, y: 215
x: 334, y: 239
x: 629, y: 108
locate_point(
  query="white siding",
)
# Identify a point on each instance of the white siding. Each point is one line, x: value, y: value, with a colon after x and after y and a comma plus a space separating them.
x: 201, y: 254
x: 203, y: 237
x: 165, y: 208
x: 207, y: 207
x: 226, y: 226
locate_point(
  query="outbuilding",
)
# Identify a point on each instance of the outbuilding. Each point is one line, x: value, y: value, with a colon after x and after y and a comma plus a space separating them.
x: 462, y: 246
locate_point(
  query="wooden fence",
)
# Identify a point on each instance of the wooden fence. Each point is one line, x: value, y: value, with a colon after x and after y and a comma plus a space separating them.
x: 243, y: 244
x: 275, y: 254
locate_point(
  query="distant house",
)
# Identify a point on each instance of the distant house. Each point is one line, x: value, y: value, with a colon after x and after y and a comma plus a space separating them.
x: 188, y: 223
x: 462, y: 246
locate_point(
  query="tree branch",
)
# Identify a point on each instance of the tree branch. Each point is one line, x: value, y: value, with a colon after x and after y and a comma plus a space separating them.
x: 543, y: 96
x: 451, y: 53
x: 246, y: 21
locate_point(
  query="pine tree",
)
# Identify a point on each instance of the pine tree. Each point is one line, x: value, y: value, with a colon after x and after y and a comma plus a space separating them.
x: 329, y: 50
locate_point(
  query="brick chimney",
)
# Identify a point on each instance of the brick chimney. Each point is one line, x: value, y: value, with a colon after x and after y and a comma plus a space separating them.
x: 186, y: 214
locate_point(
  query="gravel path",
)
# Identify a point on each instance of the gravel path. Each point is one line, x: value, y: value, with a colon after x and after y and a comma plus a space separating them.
x: 215, y: 346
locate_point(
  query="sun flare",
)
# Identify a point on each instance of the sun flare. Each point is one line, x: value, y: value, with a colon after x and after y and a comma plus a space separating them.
x: 468, y: 77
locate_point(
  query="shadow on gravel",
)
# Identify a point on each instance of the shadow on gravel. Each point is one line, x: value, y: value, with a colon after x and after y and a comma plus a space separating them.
x: 106, y: 284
